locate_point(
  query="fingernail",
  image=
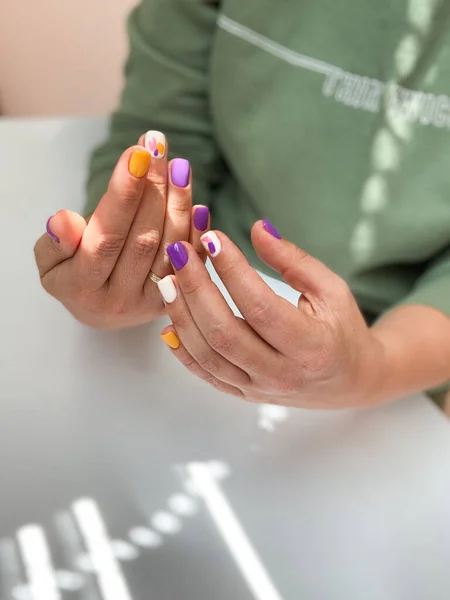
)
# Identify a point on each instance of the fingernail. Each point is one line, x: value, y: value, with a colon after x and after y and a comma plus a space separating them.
x: 267, y: 226
x: 211, y: 243
x: 178, y: 255
x: 181, y: 172
x: 50, y: 232
x: 155, y: 142
x: 171, y: 340
x: 201, y: 218
x: 168, y: 289
x: 139, y: 161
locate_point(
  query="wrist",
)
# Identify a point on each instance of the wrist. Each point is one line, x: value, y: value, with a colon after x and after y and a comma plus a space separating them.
x: 374, y: 373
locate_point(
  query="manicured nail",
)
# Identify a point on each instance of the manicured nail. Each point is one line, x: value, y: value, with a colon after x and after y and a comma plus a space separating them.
x: 271, y: 229
x: 171, y: 340
x: 139, y: 161
x: 211, y: 243
x: 49, y: 231
x: 178, y: 255
x: 181, y: 172
x: 201, y: 218
x: 168, y: 289
x: 155, y: 142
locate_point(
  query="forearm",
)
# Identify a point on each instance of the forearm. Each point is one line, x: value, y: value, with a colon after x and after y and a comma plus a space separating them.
x: 416, y: 350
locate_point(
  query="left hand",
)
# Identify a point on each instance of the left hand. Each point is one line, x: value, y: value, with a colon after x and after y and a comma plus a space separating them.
x: 320, y: 354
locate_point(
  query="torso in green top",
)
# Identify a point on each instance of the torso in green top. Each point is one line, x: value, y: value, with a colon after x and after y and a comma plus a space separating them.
x: 332, y: 118
x: 334, y: 122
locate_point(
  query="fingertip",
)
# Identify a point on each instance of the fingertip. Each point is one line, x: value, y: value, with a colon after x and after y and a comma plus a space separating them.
x: 66, y: 227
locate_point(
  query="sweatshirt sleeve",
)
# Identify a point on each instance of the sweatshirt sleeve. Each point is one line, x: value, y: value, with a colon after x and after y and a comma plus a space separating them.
x: 433, y: 286
x: 433, y: 289
x: 166, y: 88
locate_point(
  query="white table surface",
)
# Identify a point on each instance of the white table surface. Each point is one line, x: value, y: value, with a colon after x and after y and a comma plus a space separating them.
x: 350, y: 505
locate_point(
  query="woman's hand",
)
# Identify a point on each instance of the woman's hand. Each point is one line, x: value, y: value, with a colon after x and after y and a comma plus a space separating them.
x: 320, y: 354
x: 99, y: 269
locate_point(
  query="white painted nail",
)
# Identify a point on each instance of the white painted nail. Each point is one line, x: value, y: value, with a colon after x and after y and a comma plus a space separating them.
x: 211, y: 243
x: 155, y: 142
x: 168, y: 290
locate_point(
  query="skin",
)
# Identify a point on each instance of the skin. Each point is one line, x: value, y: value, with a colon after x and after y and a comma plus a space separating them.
x: 320, y: 354
x: 100, y: 268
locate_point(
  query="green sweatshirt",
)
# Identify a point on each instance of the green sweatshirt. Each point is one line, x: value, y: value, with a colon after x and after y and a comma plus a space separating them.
x: 329, y: 118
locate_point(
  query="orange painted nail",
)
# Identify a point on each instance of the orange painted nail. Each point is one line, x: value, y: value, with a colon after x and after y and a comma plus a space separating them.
x: 139, y: 161
x: 171, y: 340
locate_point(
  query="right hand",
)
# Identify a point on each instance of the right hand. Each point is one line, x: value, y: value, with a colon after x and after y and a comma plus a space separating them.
x: 99, y: 268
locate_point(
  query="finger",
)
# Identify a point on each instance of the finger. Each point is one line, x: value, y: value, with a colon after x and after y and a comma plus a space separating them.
x: 192, y: 339
x: 144, y: 238
x: 64, y: 232
x: 200, y: 220
x: 275, y: 319
x: 171, y: 339
x: 178, y: 213
x: 229, y: 336
x: 300, y: 270
x: 108, y: 228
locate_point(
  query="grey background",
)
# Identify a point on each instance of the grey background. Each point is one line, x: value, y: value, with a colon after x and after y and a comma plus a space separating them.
x: 344, y: 505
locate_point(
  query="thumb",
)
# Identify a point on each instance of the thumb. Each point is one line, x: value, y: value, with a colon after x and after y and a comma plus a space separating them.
x: 64, y: 232
x: 300, y: 270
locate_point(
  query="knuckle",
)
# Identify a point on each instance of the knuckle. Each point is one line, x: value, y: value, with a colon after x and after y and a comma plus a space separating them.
x: 179, y: 205
x: 146, y: 243
x: 230, y: 270
x: 300, y: 255
x: 128, y: 192
x: 343, y: 288
x: 260, y: 312
x: 82, y: 296
x: 188, y: 361
x: 211, y: 380
x: 119, y: 308
x: 109, y: 245
x: 192, y: 287
x: 208, y: 361
x: 45, y: 248
x: 219, y: 338
x: 180, y: 321
x: 285, y: 386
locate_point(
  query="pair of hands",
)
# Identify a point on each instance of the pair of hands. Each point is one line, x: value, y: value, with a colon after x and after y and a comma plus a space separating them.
x: 320, y: 354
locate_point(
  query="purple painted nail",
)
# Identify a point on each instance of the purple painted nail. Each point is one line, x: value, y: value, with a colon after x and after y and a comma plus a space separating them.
x: 201, y: 218
x: 178, y: 255
x: 49, y: 231
x: 271, y: 229
x: 181, y: 172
